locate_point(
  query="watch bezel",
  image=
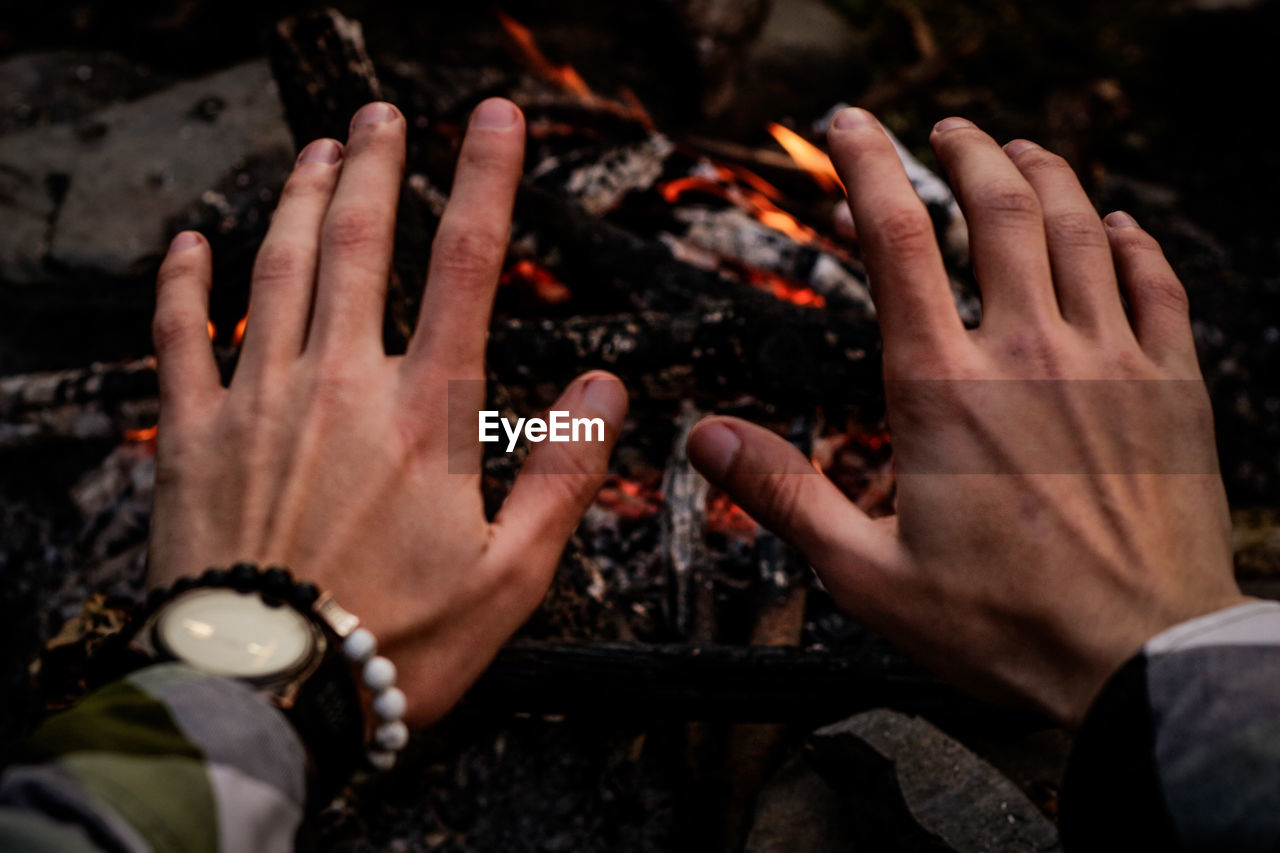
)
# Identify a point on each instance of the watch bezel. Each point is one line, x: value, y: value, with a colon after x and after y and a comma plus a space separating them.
x: 281, y: 684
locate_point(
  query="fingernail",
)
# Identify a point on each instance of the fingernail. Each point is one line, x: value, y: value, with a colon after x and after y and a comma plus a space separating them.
x: 607, y: 397
x: 843, y: 222
x: 951, y: 124
x: 185, y: 240
x: 717, y: 447
x: 495, y: 113
x: 321, y: 151
x: 1120, y: 219
x: 852, y: 117
x: 374, y: 113
x: 1017, y: 146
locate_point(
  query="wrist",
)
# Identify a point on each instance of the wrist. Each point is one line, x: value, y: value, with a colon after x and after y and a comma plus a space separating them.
x: 292, y: 644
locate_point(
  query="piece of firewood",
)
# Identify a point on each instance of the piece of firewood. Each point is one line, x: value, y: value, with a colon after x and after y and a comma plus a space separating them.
x: 617, y: 681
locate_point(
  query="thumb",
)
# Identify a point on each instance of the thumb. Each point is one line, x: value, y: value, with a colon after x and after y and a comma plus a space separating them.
x: 778, y: 487
x: 560, y: 479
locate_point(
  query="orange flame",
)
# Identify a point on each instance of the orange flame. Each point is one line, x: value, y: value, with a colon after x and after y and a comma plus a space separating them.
x: 750, y: 199
x: 213, y: 330
x: 789, y: 291
x: 545, y: 286
x: 141, y: 435
x: 237, y: 334
x: 725, y: 516
x: 808, y: 157
x: 562, y: 75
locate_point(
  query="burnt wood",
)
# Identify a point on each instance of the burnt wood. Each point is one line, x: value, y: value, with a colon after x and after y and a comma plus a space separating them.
x: 720, y: 682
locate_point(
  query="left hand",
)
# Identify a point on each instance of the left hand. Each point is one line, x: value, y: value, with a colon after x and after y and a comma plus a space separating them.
x: 327, y: 456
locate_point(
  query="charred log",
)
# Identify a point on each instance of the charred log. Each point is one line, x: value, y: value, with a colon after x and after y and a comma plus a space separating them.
x: 716, y: 682
x: 785, y: 354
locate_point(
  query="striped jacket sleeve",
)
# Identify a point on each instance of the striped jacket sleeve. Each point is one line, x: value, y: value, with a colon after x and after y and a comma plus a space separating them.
x: 1181, y: 751
x: 166, y: 759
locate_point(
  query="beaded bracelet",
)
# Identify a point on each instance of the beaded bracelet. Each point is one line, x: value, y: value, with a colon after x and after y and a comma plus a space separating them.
x: 357, y: 646
x: 379, y: 676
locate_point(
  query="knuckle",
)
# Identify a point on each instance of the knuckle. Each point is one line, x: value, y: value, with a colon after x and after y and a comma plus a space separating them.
x: 173, y: 271
x: 1013, y: 202
x: 353, y: 230
x: 468, y: 253
x: 1166, y: 294
x: 172, y: 329
x: 905, y: 231
x: 279, y: 261
x: 1040, y: 160
x: 1033, y: 349
x: 485, y: 158
x: 1133, y: 241
x: 306, y: 185
x: 780, y: 498
x: 1076, y: 229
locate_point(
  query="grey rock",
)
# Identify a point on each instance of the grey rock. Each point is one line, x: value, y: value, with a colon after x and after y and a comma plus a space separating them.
x: 99, y: 198
x: 806, y: 56
x: 45, y: 87
x: 891, y: 783
x: 908, y: 784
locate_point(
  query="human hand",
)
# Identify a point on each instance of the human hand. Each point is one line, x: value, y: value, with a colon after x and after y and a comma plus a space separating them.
x: 327, y: 456
x: 1059, y: 501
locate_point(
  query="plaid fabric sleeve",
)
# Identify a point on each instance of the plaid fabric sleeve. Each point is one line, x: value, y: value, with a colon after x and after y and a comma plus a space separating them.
x: 166, y: 759
x: 1181, y: 751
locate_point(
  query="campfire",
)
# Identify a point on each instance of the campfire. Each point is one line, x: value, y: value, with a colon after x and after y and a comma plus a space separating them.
x: 708, y: 276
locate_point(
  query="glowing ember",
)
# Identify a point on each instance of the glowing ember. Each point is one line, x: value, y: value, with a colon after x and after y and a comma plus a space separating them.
x: 725, y: 184
x: 237, y: 335
x: 871, y: 440
x: 562, y: 75
x: 141, y: 435
x: 725, y: 516
x: 808, y: 157
x: 545, y: 286
x: 781, y: 288
x: 630, y: 499
x: 213, y: 330
x: 730, y: 185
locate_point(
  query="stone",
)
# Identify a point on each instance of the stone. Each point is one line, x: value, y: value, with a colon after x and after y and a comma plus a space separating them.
x: 883, y: 780
x: 43, y: 87
x: 806, y: 55
x: 99, y: 198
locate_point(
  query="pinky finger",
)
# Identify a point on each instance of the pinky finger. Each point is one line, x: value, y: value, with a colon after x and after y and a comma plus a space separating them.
x: 1161, y: 312
x: 185, y: 366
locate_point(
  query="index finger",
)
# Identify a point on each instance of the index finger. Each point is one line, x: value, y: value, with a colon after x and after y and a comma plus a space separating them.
x: 908, y: 281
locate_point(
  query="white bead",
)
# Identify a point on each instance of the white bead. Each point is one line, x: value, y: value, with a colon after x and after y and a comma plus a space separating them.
x: 359, y: 646
x: 379, y: 674
x: 391, y: 736
x: 380, y: 760
x: 390, y: 704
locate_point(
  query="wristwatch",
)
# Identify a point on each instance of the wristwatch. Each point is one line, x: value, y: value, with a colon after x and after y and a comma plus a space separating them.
x: 292, y: 644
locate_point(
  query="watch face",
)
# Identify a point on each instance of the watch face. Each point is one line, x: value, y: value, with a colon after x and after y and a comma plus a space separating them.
x: 232, y: 633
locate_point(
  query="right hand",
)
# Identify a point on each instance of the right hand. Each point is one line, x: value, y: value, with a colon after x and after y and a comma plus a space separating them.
x: 1059, y: 501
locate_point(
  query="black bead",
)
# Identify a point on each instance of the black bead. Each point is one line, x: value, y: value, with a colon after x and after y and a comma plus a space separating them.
x: 182, y: 585
x: 304, y: 595
x: 214, y: 577
x: 272, y: 601
x: 155, y: 597
x: 276, y: 581
x: 243, y: 576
